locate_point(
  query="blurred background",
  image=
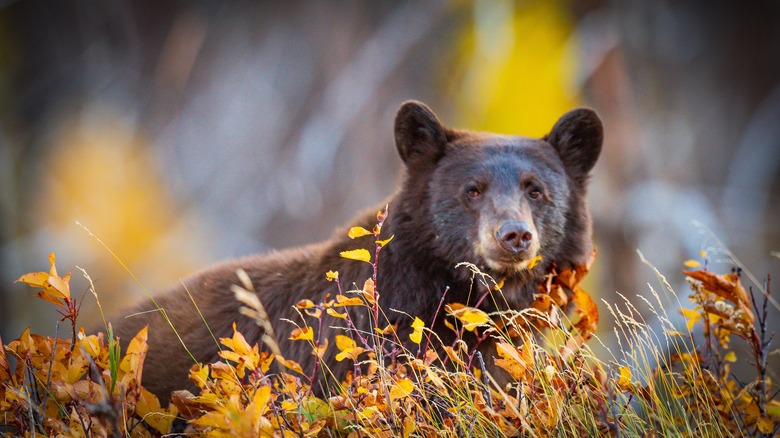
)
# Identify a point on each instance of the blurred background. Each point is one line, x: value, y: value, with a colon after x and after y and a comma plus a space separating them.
x: 181, y: 133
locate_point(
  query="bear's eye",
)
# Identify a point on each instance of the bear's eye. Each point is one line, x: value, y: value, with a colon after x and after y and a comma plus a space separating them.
x: 473, y: 192
x: 534, y: 193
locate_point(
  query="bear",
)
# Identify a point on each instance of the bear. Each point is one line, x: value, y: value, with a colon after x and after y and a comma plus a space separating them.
x: 498, y: 202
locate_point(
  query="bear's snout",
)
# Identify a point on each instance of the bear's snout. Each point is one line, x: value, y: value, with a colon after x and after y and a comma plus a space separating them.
x: 515, y: 236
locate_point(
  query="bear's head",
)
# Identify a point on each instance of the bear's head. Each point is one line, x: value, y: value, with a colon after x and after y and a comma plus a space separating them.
x: 499, y: 201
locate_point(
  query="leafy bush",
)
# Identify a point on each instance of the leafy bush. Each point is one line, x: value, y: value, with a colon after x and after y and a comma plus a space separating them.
x: 658, y: 384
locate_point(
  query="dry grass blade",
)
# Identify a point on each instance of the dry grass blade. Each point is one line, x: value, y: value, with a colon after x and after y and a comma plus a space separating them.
x: 253, y: 308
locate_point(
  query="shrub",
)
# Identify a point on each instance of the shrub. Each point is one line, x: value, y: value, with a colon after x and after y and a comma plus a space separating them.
x: 664, y: 382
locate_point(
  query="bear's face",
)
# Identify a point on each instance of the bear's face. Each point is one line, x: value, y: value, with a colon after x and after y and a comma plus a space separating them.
x: 500, y: 201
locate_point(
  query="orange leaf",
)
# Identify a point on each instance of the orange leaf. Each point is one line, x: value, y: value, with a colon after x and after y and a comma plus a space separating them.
x: 369, y: 292
x: 290, y: 364
x: 588, y: 311
x: 722, y: 286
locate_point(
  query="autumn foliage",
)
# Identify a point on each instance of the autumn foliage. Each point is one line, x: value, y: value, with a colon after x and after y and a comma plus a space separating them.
x: 684, y: 385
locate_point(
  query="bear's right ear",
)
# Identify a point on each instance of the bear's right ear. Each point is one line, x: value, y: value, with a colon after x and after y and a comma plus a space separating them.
x: 419, y: 136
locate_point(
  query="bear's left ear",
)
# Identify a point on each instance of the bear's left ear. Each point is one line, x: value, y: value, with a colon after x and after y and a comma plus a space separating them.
x: 577, y: 137
x: 419, y: 136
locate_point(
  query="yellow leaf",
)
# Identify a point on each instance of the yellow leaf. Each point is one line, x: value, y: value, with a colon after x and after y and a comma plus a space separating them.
x: 691, y: 317
x: 624, y: 380
x: 499, y: 285
x: 34, y: 279
x: 765, y: 425
x: 131, y: 366
x: 416, y: 335
x: 471, y: 317
x: 361, y: 255
x: 335, y: 314
x: 237, y: 343
x: 59, y: 286
x: 53, y: 287
x: 352, y: 353
x: 289, y: 406
x: 382, y: 243
x: 390, y: 329
x: 259, y: 404
x: 691, y: 264
x: 409, y: 426
x: 302, y: 334
x: 348, y: 348
x: 148, y: 407
x: 320, y: 350
x: 773, y: 408
x: 314, y: 312
x: 332, y: 275
x: 344, y: 342
x: 199, y: 375
x: 367, y: 413
x: 453, y: 355
x: 513, y: 360
x: 290, y: 364
x: 305, y: 304
x: 534, y: 261
x: 47, y: 297
x: 53, y: 269
x: 342, y: 301
x: 730, y: 357
x: 402, y: 388
x: 356, y: 232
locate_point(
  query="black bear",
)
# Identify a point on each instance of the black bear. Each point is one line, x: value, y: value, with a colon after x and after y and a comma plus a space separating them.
x: 495, y: 201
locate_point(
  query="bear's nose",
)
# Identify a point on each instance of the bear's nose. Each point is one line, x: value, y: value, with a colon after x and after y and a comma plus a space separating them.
x: 514, y: 236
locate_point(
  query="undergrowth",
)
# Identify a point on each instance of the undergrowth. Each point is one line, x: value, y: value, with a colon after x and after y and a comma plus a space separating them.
x: 662, y: 380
